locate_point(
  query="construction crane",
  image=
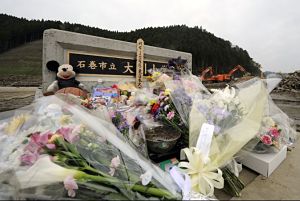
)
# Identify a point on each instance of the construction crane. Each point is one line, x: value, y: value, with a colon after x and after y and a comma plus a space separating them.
x: 220, y: 77
x: 204, y: 72
x: 229, y: 76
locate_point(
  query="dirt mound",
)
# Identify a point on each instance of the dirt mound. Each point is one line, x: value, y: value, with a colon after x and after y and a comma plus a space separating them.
x: 291, y: 82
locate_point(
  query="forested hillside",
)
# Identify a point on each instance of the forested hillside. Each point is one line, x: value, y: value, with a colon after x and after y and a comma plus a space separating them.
x: 207, y: 49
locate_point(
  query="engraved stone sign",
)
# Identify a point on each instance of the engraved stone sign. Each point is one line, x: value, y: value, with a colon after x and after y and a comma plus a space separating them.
x: 96, y: 57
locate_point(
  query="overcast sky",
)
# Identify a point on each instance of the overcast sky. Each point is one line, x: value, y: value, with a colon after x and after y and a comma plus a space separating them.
x: 268, y: 29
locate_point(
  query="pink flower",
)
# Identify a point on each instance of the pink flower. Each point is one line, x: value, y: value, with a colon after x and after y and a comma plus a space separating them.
x: 40, y: 140
x: 64, y: 130
x: 170, y: 115
x: 266, y: 139
x: 70, y: 185
x: 130, y: 118
x: 32, y: 147
x: 69, y: 133
x: 29, y: 158
x: 274, y: 132
x: 37, y: 142
x: 50, y: 146
x: 114, y: 164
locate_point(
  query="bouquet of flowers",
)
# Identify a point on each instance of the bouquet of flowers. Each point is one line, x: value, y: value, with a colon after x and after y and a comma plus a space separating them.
x: 164, y: 110
x: 63, y: 144
x: 223, y: 109
x: 269, y: 135
x: 127, y: 122
x: 233, y: 120
x: 276, y: 128
x: 183, y: 92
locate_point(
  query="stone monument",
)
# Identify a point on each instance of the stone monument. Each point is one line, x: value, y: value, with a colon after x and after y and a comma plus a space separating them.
x: 101, y: 58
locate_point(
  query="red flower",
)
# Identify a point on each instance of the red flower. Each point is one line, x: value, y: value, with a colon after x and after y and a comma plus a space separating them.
x: 115, y: 86
x: 155, y: 108
x: 266, y: 139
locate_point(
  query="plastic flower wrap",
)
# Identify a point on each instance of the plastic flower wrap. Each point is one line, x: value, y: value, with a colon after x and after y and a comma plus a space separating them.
x: 276, y: 129
x: 183, y: 92
x: 229, y: 139
x: 223, y: 109
x: 268, y: 135
x: 62, y: 144
x: 126, y: 121
x: 156, y: 80
x: 163, y: 110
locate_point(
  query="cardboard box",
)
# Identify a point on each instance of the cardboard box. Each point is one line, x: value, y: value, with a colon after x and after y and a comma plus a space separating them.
x: 264, y: 164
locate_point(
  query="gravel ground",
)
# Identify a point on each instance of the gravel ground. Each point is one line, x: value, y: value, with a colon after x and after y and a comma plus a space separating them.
x: 15, y: 97
x: 21, y: 80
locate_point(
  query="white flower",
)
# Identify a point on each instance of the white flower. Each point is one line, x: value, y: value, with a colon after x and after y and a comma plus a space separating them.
x: 43, y: 172
x: 146, y: 178
x: 114, y: 164
x: 236, y: 101
x: 53, y: 110
x: 166, y: 107
x: 231, y: 107
x: 268, y: 122
x: 3, y: 125
x: 221, y: 104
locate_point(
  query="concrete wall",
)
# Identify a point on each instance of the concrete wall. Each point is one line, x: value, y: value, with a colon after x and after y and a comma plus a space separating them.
x: 57, y: 44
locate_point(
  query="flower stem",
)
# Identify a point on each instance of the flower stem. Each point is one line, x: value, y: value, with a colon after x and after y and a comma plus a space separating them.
x: 161, y: 193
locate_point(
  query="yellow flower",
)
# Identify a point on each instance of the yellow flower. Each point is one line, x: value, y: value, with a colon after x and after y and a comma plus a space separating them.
x: 152, y: 102
x: 167, y: 92
x: 16, y: 123
x: 65, y: 119
x: 53, y: 138
x: 85, y: 101
x: 149, y: 77
x: 155, y: 75
x: 204, y: 178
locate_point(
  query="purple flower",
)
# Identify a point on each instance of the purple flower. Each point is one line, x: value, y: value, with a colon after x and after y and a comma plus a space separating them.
x: 70, y: 185
x: 217, y: 129
x: 203, y: 109
x: 220, y: 113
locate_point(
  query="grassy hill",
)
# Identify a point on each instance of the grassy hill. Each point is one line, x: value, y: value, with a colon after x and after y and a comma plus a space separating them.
x: 22, y: 66
x: 23, y: 60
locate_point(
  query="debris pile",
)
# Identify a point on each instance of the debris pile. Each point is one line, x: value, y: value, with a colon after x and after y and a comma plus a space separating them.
x: 291, y: 82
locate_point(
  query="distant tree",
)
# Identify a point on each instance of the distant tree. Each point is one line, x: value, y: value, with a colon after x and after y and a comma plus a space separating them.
x: 207, y: 49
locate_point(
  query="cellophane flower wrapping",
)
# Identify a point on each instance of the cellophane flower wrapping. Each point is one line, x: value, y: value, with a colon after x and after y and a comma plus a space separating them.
x: 55, y: 149
x: 184, y: 91
x: 276, y: 130
x: 228, y: 140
